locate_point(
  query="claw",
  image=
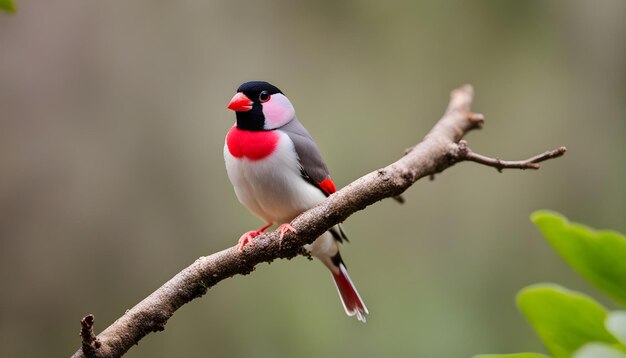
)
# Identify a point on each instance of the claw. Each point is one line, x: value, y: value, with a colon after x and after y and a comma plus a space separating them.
x: 284, y: 229
x: 247, y: 237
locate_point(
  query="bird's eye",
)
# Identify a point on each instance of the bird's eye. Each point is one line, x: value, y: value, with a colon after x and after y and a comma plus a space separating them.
x: 264, y: 96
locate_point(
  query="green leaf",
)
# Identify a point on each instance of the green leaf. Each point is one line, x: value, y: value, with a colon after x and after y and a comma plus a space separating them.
x: 616, y: 324
x: 7, y: 5
x: 564, y: 320
x: 598, y: 256
x: 598, y: 350
x: 513, y: 355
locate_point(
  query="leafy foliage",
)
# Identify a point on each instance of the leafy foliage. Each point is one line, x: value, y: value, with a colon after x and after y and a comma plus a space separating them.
x: 7, y: 5
x: 564, y: 320
x: 598, y: 256
x: 569, y: 323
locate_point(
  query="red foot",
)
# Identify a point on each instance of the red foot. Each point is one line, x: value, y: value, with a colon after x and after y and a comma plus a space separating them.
x: 284, y: 229
x: 247, y: 237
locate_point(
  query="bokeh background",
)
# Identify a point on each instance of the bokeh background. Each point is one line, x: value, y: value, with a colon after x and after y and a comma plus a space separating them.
x: 112, y: 122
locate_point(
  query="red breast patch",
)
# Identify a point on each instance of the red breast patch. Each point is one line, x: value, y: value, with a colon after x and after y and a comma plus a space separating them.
x: 253, y: 145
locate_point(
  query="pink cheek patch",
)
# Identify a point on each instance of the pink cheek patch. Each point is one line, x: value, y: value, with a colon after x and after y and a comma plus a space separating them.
x: 278, y: 111
x: 250, y: 144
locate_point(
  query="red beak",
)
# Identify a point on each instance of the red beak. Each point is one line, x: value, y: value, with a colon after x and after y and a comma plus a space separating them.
x: 240, y: 103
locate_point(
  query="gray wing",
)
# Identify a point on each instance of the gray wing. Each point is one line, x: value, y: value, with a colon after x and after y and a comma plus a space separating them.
x: 312, y: 165
x: 314, y: 169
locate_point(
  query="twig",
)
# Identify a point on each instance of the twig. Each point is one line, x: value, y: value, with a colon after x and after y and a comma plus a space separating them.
x: 439, y: 150
x: 399, y: 199
x: 90, y: 341
x: 465, y: 153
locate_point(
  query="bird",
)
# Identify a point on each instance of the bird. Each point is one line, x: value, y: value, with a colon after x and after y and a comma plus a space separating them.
x: 278, y: 172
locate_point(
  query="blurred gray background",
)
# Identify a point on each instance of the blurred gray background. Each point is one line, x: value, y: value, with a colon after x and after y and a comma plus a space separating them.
x: 112, y: 124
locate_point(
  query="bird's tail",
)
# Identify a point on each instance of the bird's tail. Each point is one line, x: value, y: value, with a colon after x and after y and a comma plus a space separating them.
x: 350, y: 298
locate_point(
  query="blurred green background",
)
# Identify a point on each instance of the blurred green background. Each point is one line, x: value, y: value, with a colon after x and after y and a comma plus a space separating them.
x: 112, y: 124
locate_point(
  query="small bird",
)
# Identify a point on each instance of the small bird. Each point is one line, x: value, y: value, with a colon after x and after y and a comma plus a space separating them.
x: 278, y: 172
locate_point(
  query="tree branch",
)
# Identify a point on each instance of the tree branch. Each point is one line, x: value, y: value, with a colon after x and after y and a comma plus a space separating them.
x: 439, y: 150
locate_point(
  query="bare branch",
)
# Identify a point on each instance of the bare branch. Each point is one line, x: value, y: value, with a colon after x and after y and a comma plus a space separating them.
x: 465, y: 153
x: 439, y: 150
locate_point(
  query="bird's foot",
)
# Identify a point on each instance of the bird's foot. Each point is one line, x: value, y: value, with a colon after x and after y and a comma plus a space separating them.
x: 284, y: 229
x: 247, y: 239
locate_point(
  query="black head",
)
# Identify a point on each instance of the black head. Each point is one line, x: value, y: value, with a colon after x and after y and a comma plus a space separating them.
x: 249, y: 103
x: 252, y: 89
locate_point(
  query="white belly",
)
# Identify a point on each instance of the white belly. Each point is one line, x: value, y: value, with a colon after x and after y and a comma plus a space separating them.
x: 272, y: 187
